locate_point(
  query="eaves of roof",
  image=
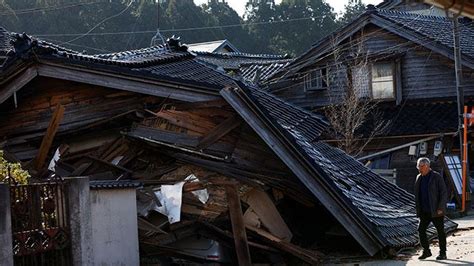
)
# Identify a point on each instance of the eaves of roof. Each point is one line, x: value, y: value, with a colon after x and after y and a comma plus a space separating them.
x: 138, y: 70
x: 113, y: 184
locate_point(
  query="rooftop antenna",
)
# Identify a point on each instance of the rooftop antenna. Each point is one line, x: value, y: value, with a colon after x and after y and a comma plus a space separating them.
x: 155, y: 41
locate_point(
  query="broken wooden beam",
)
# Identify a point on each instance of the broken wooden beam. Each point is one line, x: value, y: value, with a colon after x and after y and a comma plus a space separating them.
x: 110, y: 164
x: 309, y: 256
x: 219, y: 131
x: 205, y: 104
x: 49, y: 137
x: 263, y: 207
x: 238, y: 227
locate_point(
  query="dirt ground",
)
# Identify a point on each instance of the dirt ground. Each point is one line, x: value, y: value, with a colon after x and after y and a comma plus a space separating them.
x: 460, y: 249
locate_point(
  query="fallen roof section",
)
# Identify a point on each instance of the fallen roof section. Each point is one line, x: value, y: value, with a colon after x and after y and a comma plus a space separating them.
x: 378, y: 214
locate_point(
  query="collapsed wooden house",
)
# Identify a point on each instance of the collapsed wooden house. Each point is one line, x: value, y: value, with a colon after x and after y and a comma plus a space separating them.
x: 159, y: 116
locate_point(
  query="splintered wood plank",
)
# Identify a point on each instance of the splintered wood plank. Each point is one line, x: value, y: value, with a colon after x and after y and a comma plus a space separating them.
x: 262, y: 205
x: 219, y: 131
x: 187, y: 120
x: 49, y: 136
x: 204, y: 104
x: 310, y: 256
x: 238, y: 227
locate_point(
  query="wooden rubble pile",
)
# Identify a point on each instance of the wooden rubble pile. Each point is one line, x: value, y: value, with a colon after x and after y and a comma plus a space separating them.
x: 256, y: 210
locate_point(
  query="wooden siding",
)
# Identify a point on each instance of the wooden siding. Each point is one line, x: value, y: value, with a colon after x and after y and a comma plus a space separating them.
x: 83, y: 104
x: 424, y: 74
x: 406, y: 164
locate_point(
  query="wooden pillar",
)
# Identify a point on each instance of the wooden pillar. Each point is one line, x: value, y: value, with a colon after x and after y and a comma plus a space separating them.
x: 238, y: 226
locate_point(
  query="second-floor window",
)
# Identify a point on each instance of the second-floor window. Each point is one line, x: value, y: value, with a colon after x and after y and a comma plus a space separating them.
x: 375, y: 81
x: 383, y: 85
x: 316, y: 80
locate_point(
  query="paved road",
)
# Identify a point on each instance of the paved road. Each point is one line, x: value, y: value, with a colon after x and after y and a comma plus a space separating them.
x: 460, y: 251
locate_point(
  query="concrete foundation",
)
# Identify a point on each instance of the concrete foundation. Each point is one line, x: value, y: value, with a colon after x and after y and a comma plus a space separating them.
x: 6, y: 249
x: 78, y: 194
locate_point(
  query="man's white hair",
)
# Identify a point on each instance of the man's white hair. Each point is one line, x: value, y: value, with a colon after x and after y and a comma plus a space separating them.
x: 422, y: 161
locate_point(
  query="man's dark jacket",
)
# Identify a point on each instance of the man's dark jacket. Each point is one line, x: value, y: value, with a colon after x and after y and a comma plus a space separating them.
x: 437, y: 194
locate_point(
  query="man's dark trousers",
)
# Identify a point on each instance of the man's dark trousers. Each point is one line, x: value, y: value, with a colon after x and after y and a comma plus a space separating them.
x: 438, y: 222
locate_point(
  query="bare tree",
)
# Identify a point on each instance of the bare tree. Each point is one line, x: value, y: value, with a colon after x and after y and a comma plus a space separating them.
x: 354, y: 117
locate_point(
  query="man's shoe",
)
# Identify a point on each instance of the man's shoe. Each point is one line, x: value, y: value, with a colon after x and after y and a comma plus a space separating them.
x: 426, y: 254
x: 441, y: 256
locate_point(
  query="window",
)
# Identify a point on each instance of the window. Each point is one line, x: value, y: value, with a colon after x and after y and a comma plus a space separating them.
x: 383, y: 85
x: 316, y: 80
x: 375, y: 81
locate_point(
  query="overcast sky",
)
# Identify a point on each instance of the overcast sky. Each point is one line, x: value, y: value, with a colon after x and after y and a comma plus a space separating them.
x: 239, y: 5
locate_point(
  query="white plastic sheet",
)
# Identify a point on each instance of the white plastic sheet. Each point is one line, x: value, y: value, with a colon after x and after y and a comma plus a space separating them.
x: 170, y: 197
x: 52, y: 163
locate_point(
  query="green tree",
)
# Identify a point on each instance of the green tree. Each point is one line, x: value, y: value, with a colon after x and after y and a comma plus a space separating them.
x: 260, y: 15
x: 219, y: 13
x: 352, y: 10
x: 307, y: 21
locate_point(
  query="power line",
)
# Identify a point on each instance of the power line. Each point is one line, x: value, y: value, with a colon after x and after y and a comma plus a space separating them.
x: 171, y: 30
x: 98, y: 24
x: 51, y: 8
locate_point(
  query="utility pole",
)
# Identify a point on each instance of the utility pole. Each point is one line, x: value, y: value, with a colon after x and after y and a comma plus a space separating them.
x: 458, y: 73
x: 461, y: 110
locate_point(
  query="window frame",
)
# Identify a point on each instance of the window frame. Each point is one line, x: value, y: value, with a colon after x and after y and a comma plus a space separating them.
x: 323, y: 73
x: 393, y: 64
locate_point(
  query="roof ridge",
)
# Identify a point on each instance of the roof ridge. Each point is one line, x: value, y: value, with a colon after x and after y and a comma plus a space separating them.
x: 196, y: 43
x: 125, y: 52
x: 406, y: 13
x: 241, y: 54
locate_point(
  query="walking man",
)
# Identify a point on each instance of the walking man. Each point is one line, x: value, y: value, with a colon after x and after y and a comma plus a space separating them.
x: 430, y: 198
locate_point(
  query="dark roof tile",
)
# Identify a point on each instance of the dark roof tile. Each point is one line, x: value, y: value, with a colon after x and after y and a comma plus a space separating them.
x: 113, y: 184
x: 235, y: 60
x: 436, y: 28
x: 248, y: 71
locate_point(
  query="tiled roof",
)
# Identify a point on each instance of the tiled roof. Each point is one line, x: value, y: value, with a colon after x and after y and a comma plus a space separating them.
x: 230, y: 61
x: 190, y: 69
x: 388, y: 210
x: 264, y: 70
x: 310, y: 125
x: 140, y: 55
x: 5, y: 45
x: 436, y: 28
x: 113, y: 184
x: 211, y: 46
x: 172, y: 63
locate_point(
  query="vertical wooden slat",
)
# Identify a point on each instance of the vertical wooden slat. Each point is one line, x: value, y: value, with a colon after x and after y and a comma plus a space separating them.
x: 238, y: 227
